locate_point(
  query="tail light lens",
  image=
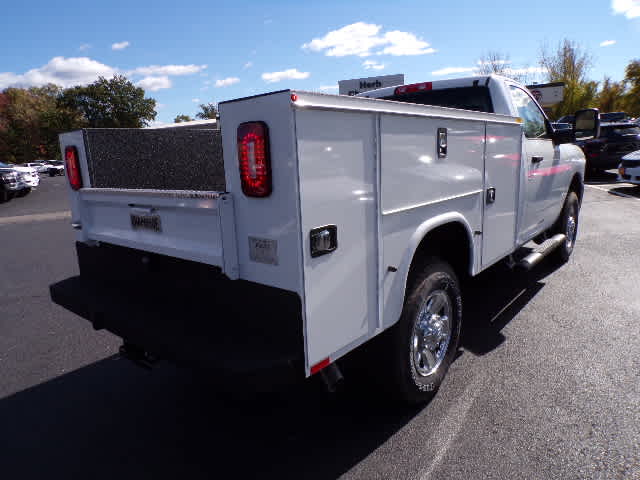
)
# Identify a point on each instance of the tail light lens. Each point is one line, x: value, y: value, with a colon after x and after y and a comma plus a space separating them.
x: 255, y: 164
x: 72, y: 165
x: 414, y: 87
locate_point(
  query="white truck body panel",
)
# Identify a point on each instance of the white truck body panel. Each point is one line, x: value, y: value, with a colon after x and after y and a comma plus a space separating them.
x: 371, y: 167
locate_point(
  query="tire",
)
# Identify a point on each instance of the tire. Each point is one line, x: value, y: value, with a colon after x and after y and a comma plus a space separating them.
x: 52, y: 173
x: 5, y: 196
x: 424, y: 342
x: 24, y: 192
x: 567, y: 224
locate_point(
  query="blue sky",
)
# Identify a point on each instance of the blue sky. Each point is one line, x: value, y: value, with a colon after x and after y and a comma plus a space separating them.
x: 191, y: 52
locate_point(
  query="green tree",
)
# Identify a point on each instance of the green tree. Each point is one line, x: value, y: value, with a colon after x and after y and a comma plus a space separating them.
x: 113, y: 103
x: 570, y: 63
x: 182, y: 118
x: 208, y: 111
x: 611, y: 97
x: 631, y: 100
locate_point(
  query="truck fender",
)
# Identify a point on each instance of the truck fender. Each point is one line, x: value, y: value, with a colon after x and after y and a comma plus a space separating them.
x: 394, y: 299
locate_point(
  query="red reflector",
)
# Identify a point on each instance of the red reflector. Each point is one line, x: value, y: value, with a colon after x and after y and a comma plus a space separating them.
x: 320, y: 365
x: 72, y: 166
x: 414, y: 87
x: 253, y: 156
x: 294, y: 97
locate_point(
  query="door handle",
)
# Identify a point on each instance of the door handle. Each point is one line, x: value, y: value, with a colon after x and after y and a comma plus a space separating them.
x: 491, y: 195
x: 536, y: 159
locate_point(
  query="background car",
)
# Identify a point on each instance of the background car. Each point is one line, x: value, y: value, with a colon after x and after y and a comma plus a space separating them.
x: 29, y: 177
x: 561, y: 126
x: 614, y: 117
x: 615, y: 141
x: 629, y: 168
x: 41, y: 167
x: 55, y: 167
x: 9, y: 183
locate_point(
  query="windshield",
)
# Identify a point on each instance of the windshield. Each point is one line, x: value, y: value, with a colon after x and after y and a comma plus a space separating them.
x: 4, y: 165
x: 466, y: 98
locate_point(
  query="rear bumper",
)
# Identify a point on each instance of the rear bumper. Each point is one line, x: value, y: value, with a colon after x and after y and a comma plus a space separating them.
x: 190, y: 314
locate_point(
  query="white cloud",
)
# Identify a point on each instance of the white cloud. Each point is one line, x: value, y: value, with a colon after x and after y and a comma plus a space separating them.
x: 494, y: 62
x: 225, y: 82
x: 290, y: 74
x: 628, y: 8
x: 362, y: 38
x: 168, y: 70
x: 453, y: 70
x: 119, y: 45
x: 372, y: 64
x: 607, y: 43
x: 248, y: 65
x: 84, y: 47
x: 62, y: 71
x: 154, y: 83
x: 405, y: 43
x: 328, y: 88
x: 195, y: 100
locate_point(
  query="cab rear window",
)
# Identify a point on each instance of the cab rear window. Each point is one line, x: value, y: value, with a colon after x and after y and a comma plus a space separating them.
x: 467, y: 98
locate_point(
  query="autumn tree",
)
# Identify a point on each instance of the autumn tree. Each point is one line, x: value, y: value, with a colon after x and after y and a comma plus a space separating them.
x: 569, y: 64
x: 113, y: 103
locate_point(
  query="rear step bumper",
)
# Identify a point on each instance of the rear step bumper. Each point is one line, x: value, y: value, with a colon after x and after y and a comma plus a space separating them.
x: 243, y: 332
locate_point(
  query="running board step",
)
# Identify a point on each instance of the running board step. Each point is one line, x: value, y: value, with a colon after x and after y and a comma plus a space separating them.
x: 542, y: 251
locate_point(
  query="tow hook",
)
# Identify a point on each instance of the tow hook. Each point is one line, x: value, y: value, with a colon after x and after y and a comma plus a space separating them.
x: 138, y: 355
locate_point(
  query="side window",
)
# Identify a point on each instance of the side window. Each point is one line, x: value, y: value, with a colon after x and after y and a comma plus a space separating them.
x: 533, y: 118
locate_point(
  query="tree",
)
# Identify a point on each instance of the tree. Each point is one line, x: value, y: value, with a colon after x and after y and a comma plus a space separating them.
x: 30, y: 121
x: 570, y: 63
x: 494, y: 62
x: 632, y: 81
x: 113, y: 103
x: 208, y: 111
x: 611, y: 97
x: 182, y: 118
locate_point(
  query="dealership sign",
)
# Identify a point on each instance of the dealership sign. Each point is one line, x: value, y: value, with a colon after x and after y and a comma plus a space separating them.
x: 359, y: 85
x: 547, y: 94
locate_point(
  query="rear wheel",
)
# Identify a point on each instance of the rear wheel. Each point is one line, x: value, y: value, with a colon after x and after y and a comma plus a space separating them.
x: 5, y: 196
x: 423, y: 344
x: 24, y: 192
x: 568, y: 225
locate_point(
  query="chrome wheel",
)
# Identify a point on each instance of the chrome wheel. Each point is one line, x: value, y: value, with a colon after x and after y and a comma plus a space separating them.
x: 431, y: 333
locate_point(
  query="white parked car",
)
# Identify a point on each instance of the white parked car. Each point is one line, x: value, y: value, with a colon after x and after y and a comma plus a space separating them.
x: 41, y: 167
x: 28, y: 178
x: 629, y: 168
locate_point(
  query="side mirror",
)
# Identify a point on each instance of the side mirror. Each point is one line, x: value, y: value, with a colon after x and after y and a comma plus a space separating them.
x: 586, y: 124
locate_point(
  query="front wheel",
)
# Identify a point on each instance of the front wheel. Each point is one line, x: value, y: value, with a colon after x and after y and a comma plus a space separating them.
x: 425, y: 340
x: 568, y: 225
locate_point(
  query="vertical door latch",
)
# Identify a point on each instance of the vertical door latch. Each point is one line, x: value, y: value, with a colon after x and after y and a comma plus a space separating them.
x: 442, y: 142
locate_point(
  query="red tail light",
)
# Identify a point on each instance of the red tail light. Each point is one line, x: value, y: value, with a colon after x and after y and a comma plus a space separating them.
x: 253, y: 155
x: 72, y: 166
x: 415, y: 87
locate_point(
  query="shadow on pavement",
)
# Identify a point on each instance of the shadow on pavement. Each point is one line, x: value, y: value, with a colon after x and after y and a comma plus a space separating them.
x: 113, y: 420
x: 599, y: 176
x: 631, y: 190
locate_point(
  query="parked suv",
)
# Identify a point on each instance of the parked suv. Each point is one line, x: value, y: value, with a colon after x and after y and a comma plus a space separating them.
x: 9, y: 183
x: 615, y: 141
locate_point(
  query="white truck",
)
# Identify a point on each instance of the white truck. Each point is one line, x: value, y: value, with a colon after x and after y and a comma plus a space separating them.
x: 312, y: 224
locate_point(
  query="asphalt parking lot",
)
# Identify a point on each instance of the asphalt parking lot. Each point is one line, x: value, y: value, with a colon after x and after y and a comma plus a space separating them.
x: 547, y: 384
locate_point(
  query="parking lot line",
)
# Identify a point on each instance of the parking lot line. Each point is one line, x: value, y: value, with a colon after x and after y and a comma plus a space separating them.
x: 35, y: 217
x: 612, y: 192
